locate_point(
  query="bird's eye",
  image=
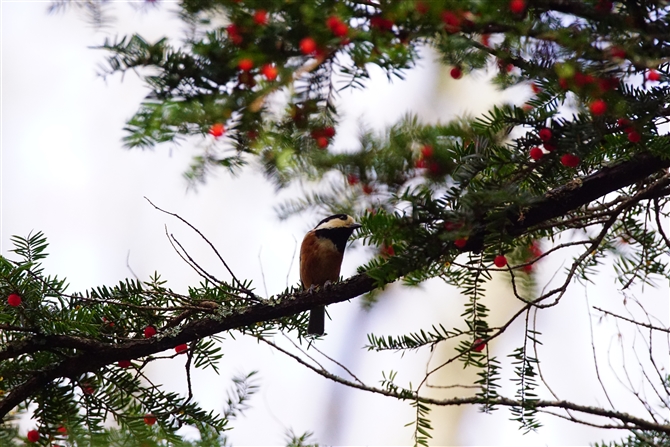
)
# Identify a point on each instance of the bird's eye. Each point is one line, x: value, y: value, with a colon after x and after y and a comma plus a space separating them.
x: 343, y: 217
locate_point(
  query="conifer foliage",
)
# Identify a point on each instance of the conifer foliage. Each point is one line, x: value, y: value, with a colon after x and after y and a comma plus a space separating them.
x: 583, y: 164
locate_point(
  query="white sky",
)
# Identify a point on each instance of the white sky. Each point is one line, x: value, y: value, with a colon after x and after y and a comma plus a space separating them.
x: 64, y: 172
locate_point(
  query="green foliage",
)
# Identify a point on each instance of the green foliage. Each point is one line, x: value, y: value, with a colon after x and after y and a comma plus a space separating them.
x: 640, y: 438
x: 438, y: 200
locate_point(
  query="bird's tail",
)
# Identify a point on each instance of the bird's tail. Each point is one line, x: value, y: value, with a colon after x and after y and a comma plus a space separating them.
x: 317, y: 318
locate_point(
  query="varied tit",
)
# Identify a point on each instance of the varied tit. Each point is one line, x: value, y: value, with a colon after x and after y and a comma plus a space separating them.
x: 321, y: 256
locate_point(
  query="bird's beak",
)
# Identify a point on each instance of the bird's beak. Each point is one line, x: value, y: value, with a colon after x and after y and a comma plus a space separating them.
x: 355, y: 226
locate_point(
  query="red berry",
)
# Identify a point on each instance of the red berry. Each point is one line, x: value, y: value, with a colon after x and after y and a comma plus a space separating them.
x: 604, y: 6
x: 62, y: 430
x: 456, y: 72
x: 332, y: 22
x: 535, y: 88
x: 329, y: 132
x: 478, y: 345
x: 535, y: 249
x: 653, y: 75
x: 14, y: 300
x: 563, y: 83
x: 150, y: 419
x: 124, y: 363
x: 352, y: 179
x: 451, y: 226
x: 420, y: 163
x: 550, y: 147
x: 545, y: 134
x: 617, y: 52
x: 307, y: 46
x: 500, y: 261
x: 421, y: 7
x: 486, y: 39
x: 536, y: 153
x: 269, y: 71
x: 607, y: 84
x: 245, y: 64
x: 427, y: 151
x: 234, y: 34
x: 367, y: 189
x: 528, y: 268
x: 33, y: 436
x: 623, y: 122
x: 582, y: 79
x: 460, y: 243
x: 322, y: 142
x: 435, y: 168
x: 452, y: 23
x: 634, y: 136
x: 87, y: 388
x: 517, y: 6
x: 181, y: 348
x: 217, y: 130
x: 149, y: 331
x: 598, y: 107
x: 261, y: 17
x: 570, y: 160
x: 387, y: 250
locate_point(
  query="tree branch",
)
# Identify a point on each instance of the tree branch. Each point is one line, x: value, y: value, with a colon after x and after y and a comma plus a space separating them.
x: 91, y: 355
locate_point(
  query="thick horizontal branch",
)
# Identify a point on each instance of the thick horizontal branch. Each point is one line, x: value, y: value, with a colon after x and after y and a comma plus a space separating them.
x: 91, y: 355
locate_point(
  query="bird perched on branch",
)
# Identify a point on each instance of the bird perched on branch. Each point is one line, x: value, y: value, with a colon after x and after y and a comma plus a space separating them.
x: 321, y: 256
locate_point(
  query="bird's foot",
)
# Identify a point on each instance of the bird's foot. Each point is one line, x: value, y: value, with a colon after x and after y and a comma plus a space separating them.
x: 311, y: 289
x: 327, y: 284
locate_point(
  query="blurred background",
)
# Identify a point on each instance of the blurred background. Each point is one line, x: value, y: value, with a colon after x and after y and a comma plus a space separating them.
x: 64, y: 172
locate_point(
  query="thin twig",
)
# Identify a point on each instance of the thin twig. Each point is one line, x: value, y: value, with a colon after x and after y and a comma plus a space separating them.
x: 638, y: 323
x: 242, y: 288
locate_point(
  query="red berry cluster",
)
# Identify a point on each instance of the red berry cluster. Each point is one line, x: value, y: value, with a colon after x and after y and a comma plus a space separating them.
x: 427, y: 160
x: 322, y: 136
x: 534, y: 252
x: 337, y: 26
x: 633, y: 135
x: 585, y: 84
x: 380, y: 23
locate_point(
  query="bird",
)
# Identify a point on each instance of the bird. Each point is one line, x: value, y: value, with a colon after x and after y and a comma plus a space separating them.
x: 321, y: 256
